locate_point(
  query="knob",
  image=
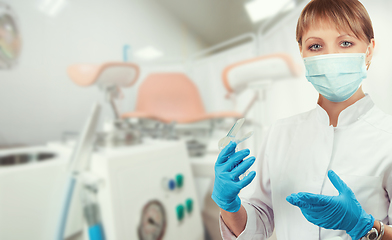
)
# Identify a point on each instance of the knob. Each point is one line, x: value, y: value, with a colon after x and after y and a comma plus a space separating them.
x: 180, y: 212
x: 189, y: 205
x: 179, y: 180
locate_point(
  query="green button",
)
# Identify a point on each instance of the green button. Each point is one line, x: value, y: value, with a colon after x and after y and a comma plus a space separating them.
x: 189, y: 205
x: 179, y: 180
x: 180, y: 212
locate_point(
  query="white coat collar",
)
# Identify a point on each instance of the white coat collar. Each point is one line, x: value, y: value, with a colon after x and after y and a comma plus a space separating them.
x: 349, y: 115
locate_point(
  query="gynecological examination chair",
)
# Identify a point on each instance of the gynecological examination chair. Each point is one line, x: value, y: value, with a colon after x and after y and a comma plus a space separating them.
x: 168, y: 105
x: 173, y: 99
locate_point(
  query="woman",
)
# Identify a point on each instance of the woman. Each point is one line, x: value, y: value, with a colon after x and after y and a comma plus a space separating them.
x: 295, y: 190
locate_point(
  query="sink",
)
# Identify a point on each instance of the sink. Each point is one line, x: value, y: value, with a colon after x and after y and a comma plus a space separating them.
x: 25, y: 158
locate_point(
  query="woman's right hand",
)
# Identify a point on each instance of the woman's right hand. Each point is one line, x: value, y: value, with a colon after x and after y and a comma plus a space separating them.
x: 227, y: 185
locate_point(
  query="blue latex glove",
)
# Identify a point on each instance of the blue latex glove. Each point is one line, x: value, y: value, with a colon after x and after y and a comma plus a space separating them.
x: 342, y: 212
x: 228, y: 167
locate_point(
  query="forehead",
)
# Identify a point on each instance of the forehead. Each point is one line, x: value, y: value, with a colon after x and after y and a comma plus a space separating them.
x: 327, y: 27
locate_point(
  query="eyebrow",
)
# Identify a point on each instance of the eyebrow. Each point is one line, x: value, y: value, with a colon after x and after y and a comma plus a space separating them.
x: 313, y: 37
x: 344, y: 35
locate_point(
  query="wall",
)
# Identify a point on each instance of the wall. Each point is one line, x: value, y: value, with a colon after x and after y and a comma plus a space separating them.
x: 379, y: 81
x: 38, y: 102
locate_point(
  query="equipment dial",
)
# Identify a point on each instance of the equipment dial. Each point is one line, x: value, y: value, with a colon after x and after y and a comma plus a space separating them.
x: 153, y: 221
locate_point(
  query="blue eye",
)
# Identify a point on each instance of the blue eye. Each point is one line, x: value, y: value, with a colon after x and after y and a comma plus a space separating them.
x: 346, y: 44
x: 314, y: 47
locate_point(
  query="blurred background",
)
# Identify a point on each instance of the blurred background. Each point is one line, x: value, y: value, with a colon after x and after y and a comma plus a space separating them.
x: 166, y: 79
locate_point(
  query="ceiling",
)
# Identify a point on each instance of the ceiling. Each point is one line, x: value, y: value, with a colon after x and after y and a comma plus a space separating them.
x: 213, y: 21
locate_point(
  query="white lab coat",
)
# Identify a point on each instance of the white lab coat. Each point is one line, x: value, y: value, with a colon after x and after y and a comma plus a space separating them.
x: 296, y: 156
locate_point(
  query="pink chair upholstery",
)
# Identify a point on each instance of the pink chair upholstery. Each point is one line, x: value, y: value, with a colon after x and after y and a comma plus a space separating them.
x: 274, y: 66
x: 172, y: 97
x: 111, y: 73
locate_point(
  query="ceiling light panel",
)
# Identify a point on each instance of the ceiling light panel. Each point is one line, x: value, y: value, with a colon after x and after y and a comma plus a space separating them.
x: 263, y: 9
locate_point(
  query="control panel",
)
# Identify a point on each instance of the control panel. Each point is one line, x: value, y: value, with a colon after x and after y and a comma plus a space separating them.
x: 148, y: 193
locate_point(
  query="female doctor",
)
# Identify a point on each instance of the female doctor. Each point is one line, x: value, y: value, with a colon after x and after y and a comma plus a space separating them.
x: 325, y: 173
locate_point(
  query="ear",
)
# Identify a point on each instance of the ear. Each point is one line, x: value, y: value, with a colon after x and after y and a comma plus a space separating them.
x: 370, y: 51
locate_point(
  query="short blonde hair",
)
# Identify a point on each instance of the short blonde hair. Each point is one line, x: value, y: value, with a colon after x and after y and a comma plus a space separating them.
x: 347, y: 15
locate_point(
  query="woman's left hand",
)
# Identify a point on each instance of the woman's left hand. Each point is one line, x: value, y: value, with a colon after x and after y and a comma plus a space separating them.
x: 342, y: 212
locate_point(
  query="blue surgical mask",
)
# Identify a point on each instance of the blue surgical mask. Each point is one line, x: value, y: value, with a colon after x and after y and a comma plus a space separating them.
x: 336, y: 76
